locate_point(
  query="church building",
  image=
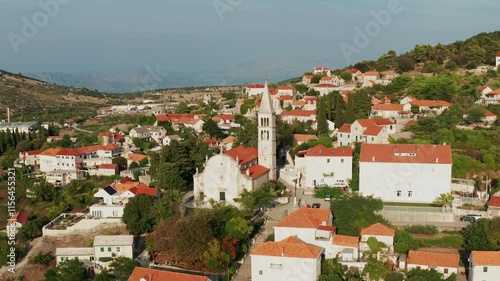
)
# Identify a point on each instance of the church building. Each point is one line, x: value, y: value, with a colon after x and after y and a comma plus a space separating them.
x: 226, y: 175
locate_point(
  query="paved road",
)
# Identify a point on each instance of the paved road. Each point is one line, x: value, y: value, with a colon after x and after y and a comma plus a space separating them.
x: 75, y: 126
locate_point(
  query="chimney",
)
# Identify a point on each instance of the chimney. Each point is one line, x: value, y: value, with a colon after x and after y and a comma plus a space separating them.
x: 283, y: 251
x: 444, y: 143
x: 373, y: 158
x: 8, y: 115
x: 437, y: 160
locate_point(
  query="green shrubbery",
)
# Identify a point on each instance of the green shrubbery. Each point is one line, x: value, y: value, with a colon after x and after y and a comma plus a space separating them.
x: 332, y: 191
x: 422, y: 229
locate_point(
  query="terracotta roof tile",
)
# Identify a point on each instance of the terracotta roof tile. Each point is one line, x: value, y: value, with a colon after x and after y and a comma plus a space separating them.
x: 150, y: 274
x: 411, y: 122
x: 346, y: 128
x: 387, y: 153
x: 373, y: 131
x: 256, y: 86
x: 144, y: 189
x: 345, y: 240
x: 108, y: 166
x: 303, y: 137
x: 289, y: 87
x: 229, y: 139
x: 486, y: 258
x: 433, y: 259
x: 306, y: 218
x: 320, y: 150
x: 389, y: 107
x: 136, y: 157
x: 244, y: 154
x: 256, y: 171
x: 291, y: 247
x: 382, y: 121
x: 298, y: 112
x: 285, y: 97
x: 489, y: 114
x: 431, y: 103
x: 20, y: 217
x: 494, y: 201
x: 378, y: 229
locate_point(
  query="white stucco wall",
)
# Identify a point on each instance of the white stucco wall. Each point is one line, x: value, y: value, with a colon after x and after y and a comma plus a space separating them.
x: 425, y: 181
x: 388, y: 240
x: 476, y: 273
x: 110, y: 250
x: 318, y: 169
x: 285, y: 268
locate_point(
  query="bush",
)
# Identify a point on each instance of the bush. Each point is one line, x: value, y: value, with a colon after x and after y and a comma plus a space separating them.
x: 41, y: 259
x: 444, y: 242
x: 332, y: 191
x: 422, y: 229
x: 270, y: 237
x: 373, y: 244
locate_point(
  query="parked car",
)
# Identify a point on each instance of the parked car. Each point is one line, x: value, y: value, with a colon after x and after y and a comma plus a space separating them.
x: 316, y: 205
x: 470, y: 217
x: 328, y: 197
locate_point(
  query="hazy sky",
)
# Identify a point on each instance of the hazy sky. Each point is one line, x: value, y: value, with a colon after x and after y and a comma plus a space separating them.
x: 190, y: 35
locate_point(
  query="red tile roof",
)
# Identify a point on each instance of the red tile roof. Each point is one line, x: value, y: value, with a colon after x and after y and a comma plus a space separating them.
x: 291, y: 247
x: 286, y: 87
x: 229, y: 139
x: 494, y: 201
x: 346, y: 241
x: 244, y: 154
x: 256, y: 86
x: 378, y: 229
x: 303, y: 137
x: 489, y: 114
x: 373, y: 131
x: 306, y: 218
x: 144, y: 189
x: 210, y: 141
x: 431, y: 103
x: 481, y: 258
x: 411, y: 122
x: 320, y: 150
x: 256, y: 171
x: 178, y: 118
x: 136, y: 157
x: 299, y: 102
x: 370, y: 73
x: 325, y: 79
x: 20, y: 217
x: 387, y: 153
x: 326, y: 86
x: 346, y: 128
x: 298, y: 112
x: 389, y: 107
x: 285, y: 97
x: 353, y: 70
x: 108, y: 166
x: 382, y: 121
x: 227, y: 117
x: 493, y: 93
x: 308, y: 76
x: 433, y: 259
x: 273, y: 92
x: 322, y: 68
x: 366, y: 123
x: 148, y: 274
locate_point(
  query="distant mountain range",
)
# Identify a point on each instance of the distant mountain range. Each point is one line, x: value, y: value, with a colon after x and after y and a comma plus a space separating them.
x: 153, y: 78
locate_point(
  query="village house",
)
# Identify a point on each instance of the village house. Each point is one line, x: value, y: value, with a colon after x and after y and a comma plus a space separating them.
x: 212, y: 143
x: 285, y: 101
x: 112, y: 199
x: 389, y: 75
x: 16, y: 222
x: 194, y: 121
x: 492, y: 97
x: 354, y: 72
x: 322, y: 166
x: 346, y: 247
x: 225, y: 121
x: 484, y: 265
x: 322, y: 71
x: 105, y: 138
x: 290, y: 116
x: 29, y: 158
x: 446, y: 264
x: 332, y: 80
x: 227, y: 143
x: 494, y: 206
x: 395, y: 111
x: 306, y: 79
x: 281, y: 260
x: 134, y: 157
x: 85, y: 255
x: 325, y: 89
x: 168, y: 139
x: 366, y: 130
x: 157, y: 110
x: 104, y: 170
x: 436, y: 106
x: 368, y: 76
x: 254, y: 89
x: 378, y: 231
x: 157, y: 133
x: 287, y: 90
x: 416, y: 173
x: 149, y: 274
x: 489, y: 117
x: 140, y: 133
x: 299, y: 139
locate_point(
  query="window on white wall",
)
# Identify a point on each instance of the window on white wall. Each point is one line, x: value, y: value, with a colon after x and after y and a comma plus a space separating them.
x: 398, y: 193
x: 410, y: 193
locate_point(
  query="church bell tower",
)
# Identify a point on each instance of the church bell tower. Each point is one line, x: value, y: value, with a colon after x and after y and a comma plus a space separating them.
x: 267, y: 134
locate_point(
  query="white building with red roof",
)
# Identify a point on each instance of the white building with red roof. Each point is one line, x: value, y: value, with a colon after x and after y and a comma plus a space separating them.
x: 149, y: 274
x: 492, y: 97
x: 416, y: 173
x: 189, y: 120
x: 225, y: 121
x: 254, y: 89
x: 444, y: 263
x: 369, y: 76
x: 391, y: 110
x: 325, y: 89
x: 378, y: 231
x: 436, y: 106
x: 497, y: 61
x: 494, y: 206
x: 314, y: 226
x: 322, y: 71
x: 366, y: 130
x: 484, y: 265
x: 111, y: 200
x: 29, y: 158
x: 290, y: 116
x: 306, y: 79
x: 287, y: 259
x: 334, y: 80
x: 16, y: 222
x: 489, y: 117
x: 325, y: 166
x: 226, y: 175
x: 286, y: 90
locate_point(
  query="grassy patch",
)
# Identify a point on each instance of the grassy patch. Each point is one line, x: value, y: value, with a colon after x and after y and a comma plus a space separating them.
x: 332, y: 191
x: 442, y: 242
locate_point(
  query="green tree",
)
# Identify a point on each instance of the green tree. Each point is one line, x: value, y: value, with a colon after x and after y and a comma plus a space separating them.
x: 349, y: 116
x: 72, y: 269
x: 250, y: 200
x: 215, y: 258
x: 476, y: 113
x: 211, y: 128
x: 121, y: 162
x: 322, y: 124
x: 376, y: 269
x: 346, y: 75
x: 41, y: 259
x: 239, y: 228
x: 373, y: 244
x: 404, y: 241
x: 354, y: 212
x: 169, y: 178
x: 122, y: 267
x: 424, y: 275
x: 405, y: 64
x: 444, y: 199
x: 396, y: 276
x: 476, y: 236
x: 103, y: 276
x: 140, y: 214
x: 316, y: 78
